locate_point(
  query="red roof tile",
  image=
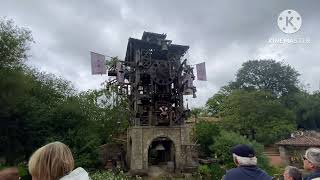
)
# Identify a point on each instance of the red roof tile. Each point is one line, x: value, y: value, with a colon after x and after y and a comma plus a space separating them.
x: 301, y: 140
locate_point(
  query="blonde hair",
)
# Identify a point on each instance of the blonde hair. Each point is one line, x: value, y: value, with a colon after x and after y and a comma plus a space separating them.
x: 51, y: 162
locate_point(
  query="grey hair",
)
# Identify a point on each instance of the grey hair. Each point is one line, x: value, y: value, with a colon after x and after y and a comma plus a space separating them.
x: 313, y: 156
x: 246, y: 161
x: 294, y: 172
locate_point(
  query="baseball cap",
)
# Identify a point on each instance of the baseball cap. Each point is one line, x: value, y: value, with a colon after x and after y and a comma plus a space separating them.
x: 243, y: 150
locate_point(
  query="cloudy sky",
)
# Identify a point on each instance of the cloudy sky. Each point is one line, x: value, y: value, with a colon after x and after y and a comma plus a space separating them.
x: 222, y: 33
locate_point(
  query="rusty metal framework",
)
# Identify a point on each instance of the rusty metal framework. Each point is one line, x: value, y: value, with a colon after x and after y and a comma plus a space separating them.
x: 155, y: 77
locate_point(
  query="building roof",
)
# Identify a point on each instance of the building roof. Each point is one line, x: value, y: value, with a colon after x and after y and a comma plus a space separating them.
x: 134, y: 44
x: 305, y: 139
x: 151, y: 34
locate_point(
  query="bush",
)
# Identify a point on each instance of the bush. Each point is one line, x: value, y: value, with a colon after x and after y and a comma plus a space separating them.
x: 214, y: 171
x: 217, y: 171
x: 204, y: 170
x: 204, y: 134
x: 103, y: 175
x: 226, y: 140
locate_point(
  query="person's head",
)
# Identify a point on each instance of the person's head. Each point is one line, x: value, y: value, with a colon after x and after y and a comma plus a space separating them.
x: 244, y: 155
x: 9, y: 174
x: 292, y: 173
x: 311, y: 159
x: 51, y: 162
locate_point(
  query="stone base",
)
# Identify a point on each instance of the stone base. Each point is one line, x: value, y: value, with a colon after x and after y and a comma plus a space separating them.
x: 141, y: 137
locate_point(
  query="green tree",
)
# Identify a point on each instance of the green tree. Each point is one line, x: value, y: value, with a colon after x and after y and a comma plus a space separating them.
x: 196, y: 112
x: 14, y: 43
x: 37, y: 107
x: 257, y: 115
x: 309, y: 112
x: 205, y: 132
x: 214, y: 104
x: 267, y: 75
x: 307, y: 109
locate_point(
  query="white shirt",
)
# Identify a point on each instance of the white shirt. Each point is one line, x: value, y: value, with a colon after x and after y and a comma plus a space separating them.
x: 77, y: 174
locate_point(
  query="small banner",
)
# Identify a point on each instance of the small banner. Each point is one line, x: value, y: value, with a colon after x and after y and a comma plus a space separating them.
x: 98, y: 63
x: 201, y: 71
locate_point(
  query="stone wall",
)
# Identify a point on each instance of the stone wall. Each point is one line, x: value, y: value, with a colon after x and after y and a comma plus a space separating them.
x: 140, y: 138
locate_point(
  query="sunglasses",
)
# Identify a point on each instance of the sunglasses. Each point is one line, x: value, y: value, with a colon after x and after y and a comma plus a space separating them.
x: 304, y: 158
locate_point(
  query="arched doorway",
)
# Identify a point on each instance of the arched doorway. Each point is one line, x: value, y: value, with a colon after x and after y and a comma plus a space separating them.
x: 161, y: 153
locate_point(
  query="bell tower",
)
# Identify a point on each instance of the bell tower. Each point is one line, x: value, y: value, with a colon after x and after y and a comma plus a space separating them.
x: 155, y: 78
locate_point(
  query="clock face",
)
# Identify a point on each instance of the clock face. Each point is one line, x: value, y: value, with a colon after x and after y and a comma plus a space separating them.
x: 289, y: 21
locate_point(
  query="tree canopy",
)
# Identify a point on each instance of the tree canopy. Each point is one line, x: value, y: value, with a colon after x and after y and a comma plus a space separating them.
x: 268, y: 75
x: 38, y: 107
x: 265, y: 102
x: 14, y: 44
x: 257, y: 115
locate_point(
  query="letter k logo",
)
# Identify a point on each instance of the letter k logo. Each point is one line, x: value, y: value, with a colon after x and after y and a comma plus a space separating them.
x: 289, y: 21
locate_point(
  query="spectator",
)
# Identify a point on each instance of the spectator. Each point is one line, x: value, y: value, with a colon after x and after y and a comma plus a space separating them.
x: 311, y: 163
x: 292, y: 173
x: 9, y: 174
x: 246, y: 161
x: 54, y: 161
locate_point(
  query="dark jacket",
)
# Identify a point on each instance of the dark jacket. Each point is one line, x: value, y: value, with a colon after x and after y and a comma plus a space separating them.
x: 313, y: 175
x: 247, y: 173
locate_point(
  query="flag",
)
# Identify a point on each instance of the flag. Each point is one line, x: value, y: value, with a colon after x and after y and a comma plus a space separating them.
x: 98, y: 63
x: 201, y: 71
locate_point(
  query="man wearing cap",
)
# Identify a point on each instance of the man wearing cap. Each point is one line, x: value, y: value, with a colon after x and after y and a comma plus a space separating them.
x: 311, y: 163
x: 246, y: 161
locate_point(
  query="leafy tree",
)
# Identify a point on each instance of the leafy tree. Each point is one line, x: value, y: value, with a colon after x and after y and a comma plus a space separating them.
x: 309, y: 113
x: 27, y: 106
x: 267, y: 75
x: 114, y: 112
x: 214, y: 104
x: 204, y: 135
x: 14, y: 85
x: 196, y: 112
x: 257, y: 115
x: 307, y: 109
x: 37, y: 107
x: 14, y: 43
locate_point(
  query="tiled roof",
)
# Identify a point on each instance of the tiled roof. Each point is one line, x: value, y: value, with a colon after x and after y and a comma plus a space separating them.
x: 305, y: 139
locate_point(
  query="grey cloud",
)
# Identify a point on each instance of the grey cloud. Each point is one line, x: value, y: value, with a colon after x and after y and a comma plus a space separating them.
x: 223, y: 33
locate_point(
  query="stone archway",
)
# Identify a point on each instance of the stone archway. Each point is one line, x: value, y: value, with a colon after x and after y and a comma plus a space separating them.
x: 161, y: 153
x: 142, y: 138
